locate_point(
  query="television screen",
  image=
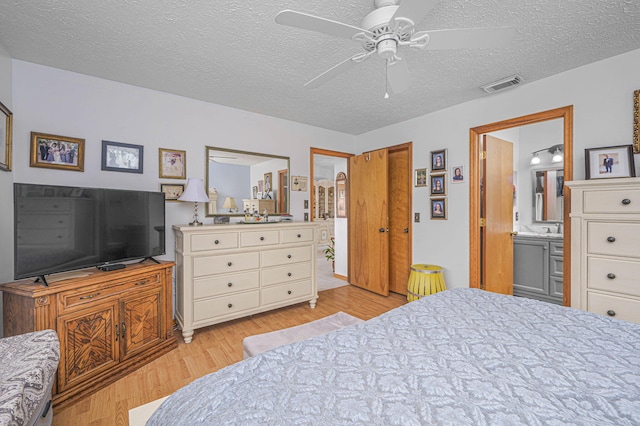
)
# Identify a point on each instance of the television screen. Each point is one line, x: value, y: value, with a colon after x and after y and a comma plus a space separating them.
x: 61, y: 228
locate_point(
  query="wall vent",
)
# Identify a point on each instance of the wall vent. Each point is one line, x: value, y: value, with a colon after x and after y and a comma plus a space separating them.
x: 505, y: 83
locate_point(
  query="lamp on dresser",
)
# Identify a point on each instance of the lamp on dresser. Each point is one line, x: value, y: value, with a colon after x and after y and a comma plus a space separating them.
x: 195, y: 193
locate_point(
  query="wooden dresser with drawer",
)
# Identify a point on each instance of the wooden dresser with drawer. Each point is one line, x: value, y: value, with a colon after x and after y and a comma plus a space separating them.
x: 605, y: 241
x: 230, y: 271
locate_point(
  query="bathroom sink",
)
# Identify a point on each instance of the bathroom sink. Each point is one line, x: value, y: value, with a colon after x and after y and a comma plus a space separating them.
x: 540, y: 234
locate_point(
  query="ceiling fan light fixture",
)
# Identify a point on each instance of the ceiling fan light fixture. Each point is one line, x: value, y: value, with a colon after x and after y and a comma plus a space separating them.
x: 387, y: 48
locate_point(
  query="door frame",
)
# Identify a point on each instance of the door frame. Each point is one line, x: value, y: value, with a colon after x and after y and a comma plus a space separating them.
x: 475, y: 134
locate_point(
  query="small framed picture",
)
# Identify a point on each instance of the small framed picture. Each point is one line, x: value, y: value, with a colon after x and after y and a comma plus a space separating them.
x: 420, y: 177
x: 172, y: 163
x: 254, y: 192
x: 172, y: 191
x: 439, y: 184
x: 122, y: 157
x: 439, y: 208
x: 299, y: 183
x: 636, y: 121
x: 439, y: 161
x: 57, y: 152
x: 609, y: 162
x: 457, y: 174
x: 268, y: 184
x: 6, y: 132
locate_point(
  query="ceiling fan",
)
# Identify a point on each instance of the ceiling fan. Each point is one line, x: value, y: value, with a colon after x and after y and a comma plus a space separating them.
x: 389, y: 26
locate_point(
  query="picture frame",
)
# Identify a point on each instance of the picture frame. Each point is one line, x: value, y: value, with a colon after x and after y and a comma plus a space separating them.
x: 122, y: 157
x: 172, y: 163
x: 420, y: 177
x: 6, y: 136
x: 636, y: 122
x: 299, y: 183
x: 438, y: 208
x: 260, y: 188
x: 254, y: 192
x: 172, y: 191
x: 268, y: 185
x: 438, y: 184
x: 609, y: 162
x: 46, y: 152
x: 341, y: 191
x: 457, y: 174
x: 439, y: 161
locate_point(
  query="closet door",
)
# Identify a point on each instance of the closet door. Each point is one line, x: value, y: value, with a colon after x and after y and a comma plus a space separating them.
x: 369, y: 222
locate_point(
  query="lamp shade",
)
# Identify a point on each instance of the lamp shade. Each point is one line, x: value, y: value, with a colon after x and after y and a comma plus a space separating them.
x: 229, y: 203
x: 195, y: 192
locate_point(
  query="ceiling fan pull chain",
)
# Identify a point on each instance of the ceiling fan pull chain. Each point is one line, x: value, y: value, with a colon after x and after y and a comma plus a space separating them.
x: 386, y: 78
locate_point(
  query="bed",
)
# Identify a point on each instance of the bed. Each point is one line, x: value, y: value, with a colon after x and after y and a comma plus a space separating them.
x: 462, y: 356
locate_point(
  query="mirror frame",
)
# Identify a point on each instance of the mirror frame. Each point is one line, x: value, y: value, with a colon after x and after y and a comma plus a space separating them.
x: 208, y: 148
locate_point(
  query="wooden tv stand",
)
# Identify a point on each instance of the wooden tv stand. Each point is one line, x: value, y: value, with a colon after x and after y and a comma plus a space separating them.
x: 109, y: 323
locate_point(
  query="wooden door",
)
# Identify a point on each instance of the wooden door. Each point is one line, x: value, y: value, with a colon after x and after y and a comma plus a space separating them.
x: 88, y: 343
x: 497, y: 210
x: 140, y: 321
x: 369, y: 222
x: 283, y: 191
x: 400, y: 183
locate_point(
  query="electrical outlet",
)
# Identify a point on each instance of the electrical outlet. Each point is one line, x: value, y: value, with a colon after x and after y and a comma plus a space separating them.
x: 306, y: 204
x: 416, y: 217
x: 306, y: 217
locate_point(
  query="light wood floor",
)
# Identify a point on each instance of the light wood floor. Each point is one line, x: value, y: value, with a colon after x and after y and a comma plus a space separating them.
x: 212, y: 348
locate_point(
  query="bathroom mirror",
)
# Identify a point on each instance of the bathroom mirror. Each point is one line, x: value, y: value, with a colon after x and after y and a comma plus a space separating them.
x: 548, y: 195
x: 239, y: 180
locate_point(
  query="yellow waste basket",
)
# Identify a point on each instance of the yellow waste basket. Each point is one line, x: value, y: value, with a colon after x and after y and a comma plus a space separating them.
x: 424, y: 280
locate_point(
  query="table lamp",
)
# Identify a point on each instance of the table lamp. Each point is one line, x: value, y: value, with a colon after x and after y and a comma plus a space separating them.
x: 194, y: 193
x: 229, y: 203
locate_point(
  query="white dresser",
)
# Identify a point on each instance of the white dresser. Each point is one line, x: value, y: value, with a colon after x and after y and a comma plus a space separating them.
x: 605, y: 241
x: 224, y: 272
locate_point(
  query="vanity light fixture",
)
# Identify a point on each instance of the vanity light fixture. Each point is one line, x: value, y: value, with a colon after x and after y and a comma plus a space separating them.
x: 535, y: 159
x: 195, y: 193
x: 557, y: 156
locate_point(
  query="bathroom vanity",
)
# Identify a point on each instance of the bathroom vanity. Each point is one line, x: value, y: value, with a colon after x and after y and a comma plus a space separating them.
x: 537, y: 266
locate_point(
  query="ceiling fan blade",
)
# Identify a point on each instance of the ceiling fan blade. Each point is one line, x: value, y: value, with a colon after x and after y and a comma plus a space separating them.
x: 398, y: 75
x: 337, y: 70
x: 321, y: 25
x: 415, y: 10
x: 466, y: 38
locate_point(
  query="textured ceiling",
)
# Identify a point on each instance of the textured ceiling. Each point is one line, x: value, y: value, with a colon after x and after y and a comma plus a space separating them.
x: 233, y: 53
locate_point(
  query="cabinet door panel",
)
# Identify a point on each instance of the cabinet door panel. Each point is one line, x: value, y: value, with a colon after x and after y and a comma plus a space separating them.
x: 88, y: 344
x: 531, y: 266
x: 141, y: 322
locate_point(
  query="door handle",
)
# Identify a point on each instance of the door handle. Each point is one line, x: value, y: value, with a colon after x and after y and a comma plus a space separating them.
x: 513, y: 234
x: 405, y: 230
x: 381, y: 230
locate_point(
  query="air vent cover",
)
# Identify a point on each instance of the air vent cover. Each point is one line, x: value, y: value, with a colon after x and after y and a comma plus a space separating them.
x: 505, y: 83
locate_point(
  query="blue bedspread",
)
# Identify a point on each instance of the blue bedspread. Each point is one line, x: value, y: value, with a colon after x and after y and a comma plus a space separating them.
x: 460, y: 357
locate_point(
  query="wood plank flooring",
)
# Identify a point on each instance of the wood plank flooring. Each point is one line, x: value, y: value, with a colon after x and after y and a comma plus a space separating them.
x: 212, y: 348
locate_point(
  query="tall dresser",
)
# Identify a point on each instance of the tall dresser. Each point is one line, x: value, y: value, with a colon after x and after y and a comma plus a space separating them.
x: 231, y: 271
x: 605, y: 241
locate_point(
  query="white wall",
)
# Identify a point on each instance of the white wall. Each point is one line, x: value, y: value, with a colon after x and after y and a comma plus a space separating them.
x: 602, y: 96
x: 6, y: 181
x: 50, y: 100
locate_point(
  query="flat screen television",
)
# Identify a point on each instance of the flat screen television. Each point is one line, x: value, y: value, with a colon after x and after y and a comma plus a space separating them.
x: 63, y: 228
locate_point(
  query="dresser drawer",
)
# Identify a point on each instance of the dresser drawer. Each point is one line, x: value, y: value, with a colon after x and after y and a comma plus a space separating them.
x: 297, y: 235
x: 555, y: 248
x: 286, y: 256
x: 615, y: 307
x: 225, y: 263
x: 218, y: 285
x: 40, y: 204
x: 203, y: 242
x: 613, y: 238
x: 260, y: 238
x: 46, y: 237
x: 612, y: 201
x: 283, y: 274
x: 281, y: 293
x: 618, y: 276
x: 79, y: 298
x: 225, y: 305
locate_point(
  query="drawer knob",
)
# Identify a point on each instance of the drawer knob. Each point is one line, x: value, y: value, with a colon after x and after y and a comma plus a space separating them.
x: 288, y: 256
x: 611, y: 313
x: 299, y: 235
x: 288, y: 274
x: 261, y: 238
x: 288, y: 291
x: 229, y: 284
x: 230, y: 305
x: 229, y: 263
x: 611, y: 239
x: 611, y: 276
x: 91, y: 296
x: 216, y: 242
x: 626, y: 201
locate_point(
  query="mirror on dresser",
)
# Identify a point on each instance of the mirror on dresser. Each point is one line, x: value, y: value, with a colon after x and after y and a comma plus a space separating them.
x: 241, y: 180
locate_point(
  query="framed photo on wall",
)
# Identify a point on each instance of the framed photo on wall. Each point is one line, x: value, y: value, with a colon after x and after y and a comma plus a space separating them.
x: 439, y: 208
x: 57, y: 152
x: 439, y: 161
x: 457, y: 174
x: 609, y: 162
x: 341, y: 189
x: 636, y: 121
x: 172, y: 191
x: 122, y: 157
x: 172, y: 163
x: 6, y: 133
x: 420, y: 177
x: 439, y: 184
